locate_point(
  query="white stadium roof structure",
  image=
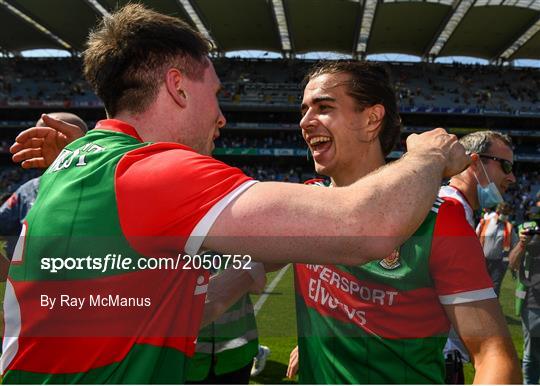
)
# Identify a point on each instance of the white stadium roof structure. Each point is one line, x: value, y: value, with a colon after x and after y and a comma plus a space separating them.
x: 496, y: 30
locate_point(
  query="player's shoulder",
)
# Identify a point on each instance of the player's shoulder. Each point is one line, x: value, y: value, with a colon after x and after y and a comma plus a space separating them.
x: 165, y: 150
x: 164, y: 157
x: 446, y: 204
x: 451, y: 217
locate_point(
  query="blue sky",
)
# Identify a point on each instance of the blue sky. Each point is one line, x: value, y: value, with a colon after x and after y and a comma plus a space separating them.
x: 322, y: 55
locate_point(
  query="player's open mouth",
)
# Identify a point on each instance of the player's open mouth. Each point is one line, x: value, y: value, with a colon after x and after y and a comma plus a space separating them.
x: 320, y: 144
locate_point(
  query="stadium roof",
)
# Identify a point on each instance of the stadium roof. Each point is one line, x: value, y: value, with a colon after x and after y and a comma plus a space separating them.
x: 489, y: 29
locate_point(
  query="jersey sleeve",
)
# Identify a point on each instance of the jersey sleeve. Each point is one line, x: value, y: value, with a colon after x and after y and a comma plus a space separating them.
x: 168, y: 197
x: 457, y: 261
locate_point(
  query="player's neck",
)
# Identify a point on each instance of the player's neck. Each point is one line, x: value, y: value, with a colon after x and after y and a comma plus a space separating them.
x: 467, y: 187
x: 361, y: 166
x: 139, y: 122
x: 156, y: 123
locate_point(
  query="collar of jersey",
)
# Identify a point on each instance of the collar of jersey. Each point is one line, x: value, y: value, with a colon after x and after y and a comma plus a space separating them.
x: 119, y: 127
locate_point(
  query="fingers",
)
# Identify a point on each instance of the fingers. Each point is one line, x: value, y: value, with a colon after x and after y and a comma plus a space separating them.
x: 292, y: 369
x: 34, y: 163
x: 441, y: 146
x: 27, y: 154
x: 457, y: 159
x: 32, y: 143
x: 69, y: 130
x: 34, y: 132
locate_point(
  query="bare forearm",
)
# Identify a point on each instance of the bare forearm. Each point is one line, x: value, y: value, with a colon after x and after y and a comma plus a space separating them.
x: 483, y: 329
x: 498, y: 368
x: 515, y: 255
x: 400, y: 196
x: 225, y: 289
x: 277, y: 222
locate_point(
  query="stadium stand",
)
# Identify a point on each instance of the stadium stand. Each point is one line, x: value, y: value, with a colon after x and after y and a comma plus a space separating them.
x: 261, y: 100
x: 421, y: 87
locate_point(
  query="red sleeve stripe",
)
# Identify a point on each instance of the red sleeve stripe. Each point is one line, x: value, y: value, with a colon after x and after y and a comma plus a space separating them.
x: 467, y: 297
x: 197, y: 236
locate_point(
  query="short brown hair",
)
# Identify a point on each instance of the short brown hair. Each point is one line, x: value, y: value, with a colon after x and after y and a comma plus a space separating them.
x: 480, y: 141
x: 129, y: 52
x: 370, y: 84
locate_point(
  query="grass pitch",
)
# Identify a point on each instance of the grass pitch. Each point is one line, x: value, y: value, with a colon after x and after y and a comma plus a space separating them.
x: 277, y: 327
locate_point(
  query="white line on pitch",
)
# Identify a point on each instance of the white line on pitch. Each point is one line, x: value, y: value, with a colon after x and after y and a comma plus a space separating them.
x: 269, y: 289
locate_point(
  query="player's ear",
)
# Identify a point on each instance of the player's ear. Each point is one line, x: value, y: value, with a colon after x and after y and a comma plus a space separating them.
x: 475, y: 158
x: 174, y: 82
x: 375, y: 115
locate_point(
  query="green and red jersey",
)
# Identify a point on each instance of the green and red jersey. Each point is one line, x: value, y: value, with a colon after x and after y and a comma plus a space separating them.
x: 384, y: 322
x: 109, y: 193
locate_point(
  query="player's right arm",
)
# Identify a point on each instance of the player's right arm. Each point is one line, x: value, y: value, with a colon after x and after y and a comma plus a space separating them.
x: 352, y: 225
x: 278, y: 222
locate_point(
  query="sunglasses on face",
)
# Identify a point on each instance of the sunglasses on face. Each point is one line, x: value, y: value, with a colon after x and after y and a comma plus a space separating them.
x: 505, y: 164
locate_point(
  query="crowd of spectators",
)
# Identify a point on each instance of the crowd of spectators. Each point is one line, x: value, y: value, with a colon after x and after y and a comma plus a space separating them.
x: 42, y: 80
x: 278, y: 173
x: 278, y: 82
x: 11, y: 177
x: 499, y: 88
x: 522, y: 195
x: 278, y: 139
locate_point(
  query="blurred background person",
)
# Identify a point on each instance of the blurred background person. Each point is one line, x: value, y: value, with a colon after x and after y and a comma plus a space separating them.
x: 527, y: 262
x: 498, y: 238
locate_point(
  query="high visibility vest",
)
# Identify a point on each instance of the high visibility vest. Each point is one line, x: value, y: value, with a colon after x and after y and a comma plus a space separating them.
x: 507, y: 232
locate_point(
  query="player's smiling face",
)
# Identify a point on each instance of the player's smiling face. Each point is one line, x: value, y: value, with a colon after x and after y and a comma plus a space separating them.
x: 332, y: 123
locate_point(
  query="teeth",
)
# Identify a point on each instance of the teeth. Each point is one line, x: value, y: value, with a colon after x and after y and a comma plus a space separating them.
x: 317, y: 140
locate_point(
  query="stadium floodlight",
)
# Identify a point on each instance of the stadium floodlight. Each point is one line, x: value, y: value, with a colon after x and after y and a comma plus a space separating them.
x: 196, y: 20
x: 460, y: 10
x: 281, y: 21
x: 98, y: 7
x: 365, y: 28
x: 521, y: 40
x: 35, y: 24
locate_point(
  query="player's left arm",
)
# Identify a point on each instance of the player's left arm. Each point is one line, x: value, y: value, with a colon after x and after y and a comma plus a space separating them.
x: 465, y: 290
x: 482, y: 328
